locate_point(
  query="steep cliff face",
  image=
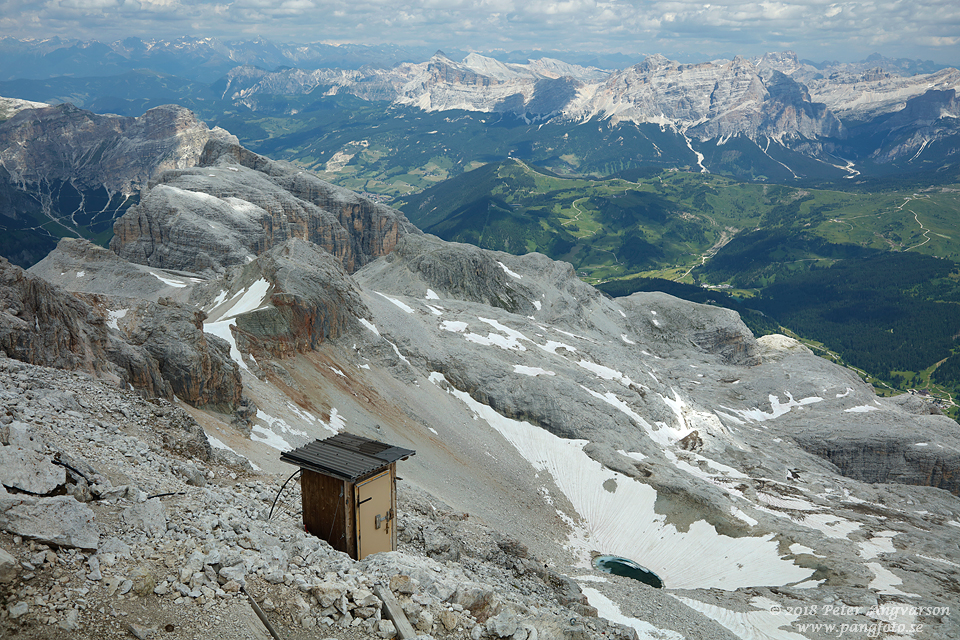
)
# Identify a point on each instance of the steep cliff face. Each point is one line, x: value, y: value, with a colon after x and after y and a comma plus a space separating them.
x: 196, y: 365
x: 72, y: 145
x: 43, y: 325
x: 135, y: 302
x: 289, y: 300
x: 236, y: 205
x: 710, y: 100
x: 82, y: 170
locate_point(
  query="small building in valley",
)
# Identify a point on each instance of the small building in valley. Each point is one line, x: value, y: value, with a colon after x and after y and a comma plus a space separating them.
x: 349, y: 491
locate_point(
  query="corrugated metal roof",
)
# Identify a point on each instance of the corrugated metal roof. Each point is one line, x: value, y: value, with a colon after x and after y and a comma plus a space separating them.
x: 345, y: 456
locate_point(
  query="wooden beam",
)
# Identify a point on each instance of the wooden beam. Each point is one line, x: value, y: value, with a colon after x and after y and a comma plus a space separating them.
x: 395, y: 613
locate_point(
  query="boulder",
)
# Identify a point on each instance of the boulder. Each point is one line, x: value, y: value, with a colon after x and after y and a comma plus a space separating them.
x: 59, y: 520
x: 29, y: 471
x: 149, y: 517
x: 9, y: 567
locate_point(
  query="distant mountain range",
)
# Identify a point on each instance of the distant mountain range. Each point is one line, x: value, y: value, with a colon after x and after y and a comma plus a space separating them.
x: 771, y: 118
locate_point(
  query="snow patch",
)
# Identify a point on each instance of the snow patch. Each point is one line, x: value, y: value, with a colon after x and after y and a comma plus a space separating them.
x: 777, y: 408
x: 608, y: 609
x: 407, y: 308
x: 114, y: 316
x: 508, y: 272
x: 456, y: 326
x: 552, y: 346
x: 881, y: 543
x: 861, y: 409
x: 531, y: 371
x: 337, y: 423
x: 167, y: 281
x: 885, y: 581
x: 369, y: 325
x: 608, y: 521
x: 766, y: 624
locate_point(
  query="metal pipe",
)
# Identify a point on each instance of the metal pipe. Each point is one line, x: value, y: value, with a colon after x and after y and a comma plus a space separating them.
x: 261, y: 615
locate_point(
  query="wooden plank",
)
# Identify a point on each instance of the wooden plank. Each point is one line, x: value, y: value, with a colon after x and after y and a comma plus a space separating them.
x: 395, y: 613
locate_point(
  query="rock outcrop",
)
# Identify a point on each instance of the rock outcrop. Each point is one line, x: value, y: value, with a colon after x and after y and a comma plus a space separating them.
x: 42, y: 325
x: 71, y: 145
x: 236, y: 205
x: 137, y: 303
x: 196, y: 365
x: 455, y: 270
x: 306, y: 298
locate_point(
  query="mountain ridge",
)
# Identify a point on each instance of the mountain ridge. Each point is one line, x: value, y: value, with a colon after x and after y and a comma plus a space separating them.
x: 747, y: 473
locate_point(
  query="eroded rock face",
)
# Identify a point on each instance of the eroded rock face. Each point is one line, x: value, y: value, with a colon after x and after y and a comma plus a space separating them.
x: 881, y: 452
x: 135, y: 301
x: 236, y: 205
x: 63, y: 142
x: 43, y: 325
x: 308, y: 299
x: 196, y: 365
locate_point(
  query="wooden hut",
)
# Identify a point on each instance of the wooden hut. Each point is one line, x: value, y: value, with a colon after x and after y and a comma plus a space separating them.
x: 349, y: 489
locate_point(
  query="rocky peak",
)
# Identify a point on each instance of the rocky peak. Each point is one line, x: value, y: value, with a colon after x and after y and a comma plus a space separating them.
x: 63, y: 142
x: 9, y: 107
x: 236, y: 204
x: 304, y: 298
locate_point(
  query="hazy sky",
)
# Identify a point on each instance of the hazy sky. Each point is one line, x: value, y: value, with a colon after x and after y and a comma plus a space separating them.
x: 816, y: 30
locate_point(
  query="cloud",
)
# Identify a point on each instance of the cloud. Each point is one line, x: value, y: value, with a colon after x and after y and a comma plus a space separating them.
x: 816, y: 29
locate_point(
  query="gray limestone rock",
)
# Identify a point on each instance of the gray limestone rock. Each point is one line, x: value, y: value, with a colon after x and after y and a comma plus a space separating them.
x: 41, y: 324
x: 29, y: 471
x: 311, y: 299
x: 9, y: 567
x: 59, y: 520
x: 23, y: 436
x: 235, y: 205
x: 149, y: 517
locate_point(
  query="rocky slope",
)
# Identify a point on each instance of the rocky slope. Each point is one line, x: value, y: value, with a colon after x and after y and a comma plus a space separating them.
x: 643, y: 427
x: 121, y: 521
x: 769, y: 490
x: 44, y: 325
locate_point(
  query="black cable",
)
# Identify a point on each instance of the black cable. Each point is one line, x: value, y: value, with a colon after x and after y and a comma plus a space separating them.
x: 281, y: 491
x: 164, y: 495
x: 76, y: 471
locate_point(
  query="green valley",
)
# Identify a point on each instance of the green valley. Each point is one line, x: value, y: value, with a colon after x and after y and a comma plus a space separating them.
x: 871, y: 275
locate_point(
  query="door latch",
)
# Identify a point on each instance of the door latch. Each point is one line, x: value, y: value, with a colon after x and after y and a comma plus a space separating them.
x: 382, y: 518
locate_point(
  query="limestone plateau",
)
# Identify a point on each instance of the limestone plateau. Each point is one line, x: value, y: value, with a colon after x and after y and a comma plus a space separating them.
x: 772, y: 492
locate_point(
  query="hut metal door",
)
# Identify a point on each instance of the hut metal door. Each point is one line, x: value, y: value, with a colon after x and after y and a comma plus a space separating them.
x: 374, y: 515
